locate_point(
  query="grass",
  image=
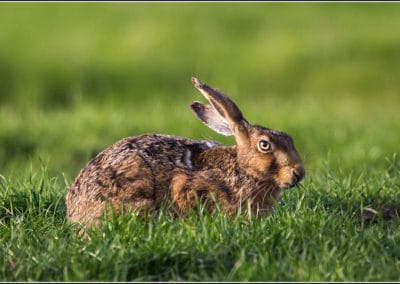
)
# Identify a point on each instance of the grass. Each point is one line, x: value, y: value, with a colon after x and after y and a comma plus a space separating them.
x: 76, y: 77
x: 317, y: 233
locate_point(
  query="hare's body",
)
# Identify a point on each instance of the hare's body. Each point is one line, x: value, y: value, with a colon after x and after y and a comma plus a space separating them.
x: 145, y: 171
x: 132, y: 172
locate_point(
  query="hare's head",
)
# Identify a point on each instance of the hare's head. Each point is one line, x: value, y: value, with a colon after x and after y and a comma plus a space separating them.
x: 262, y: 152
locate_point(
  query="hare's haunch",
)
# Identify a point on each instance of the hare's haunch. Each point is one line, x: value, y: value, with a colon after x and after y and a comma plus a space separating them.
x: 144, y: 171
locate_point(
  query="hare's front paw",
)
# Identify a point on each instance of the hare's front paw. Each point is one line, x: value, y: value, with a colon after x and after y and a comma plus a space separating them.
x: 202, y: 186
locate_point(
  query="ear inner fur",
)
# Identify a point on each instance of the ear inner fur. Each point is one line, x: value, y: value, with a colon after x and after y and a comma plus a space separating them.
x: 227, y: 109
x: 209, y: 116
x: 222, y: 103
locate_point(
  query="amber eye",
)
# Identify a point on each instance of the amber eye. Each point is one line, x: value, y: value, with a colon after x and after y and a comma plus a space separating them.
x: 264, y: 146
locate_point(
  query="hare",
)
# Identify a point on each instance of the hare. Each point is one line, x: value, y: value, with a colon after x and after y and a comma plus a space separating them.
x: 142, y: 172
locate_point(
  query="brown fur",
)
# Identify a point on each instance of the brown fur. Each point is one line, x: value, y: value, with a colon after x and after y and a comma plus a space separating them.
x: 145, y: 171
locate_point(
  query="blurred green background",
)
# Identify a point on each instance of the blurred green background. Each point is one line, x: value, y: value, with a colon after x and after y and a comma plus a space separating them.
x: 77, y: 77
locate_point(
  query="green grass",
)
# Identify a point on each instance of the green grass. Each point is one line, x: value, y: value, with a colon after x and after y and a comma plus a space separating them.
x: 317, y: 233
x: 76, y: 77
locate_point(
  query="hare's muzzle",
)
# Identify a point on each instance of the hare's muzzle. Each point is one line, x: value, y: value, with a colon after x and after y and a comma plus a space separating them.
x: 298, y: 173
x: 291, y: 176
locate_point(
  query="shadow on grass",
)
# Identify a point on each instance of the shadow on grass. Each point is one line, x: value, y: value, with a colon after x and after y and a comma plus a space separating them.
x: 377, y: 213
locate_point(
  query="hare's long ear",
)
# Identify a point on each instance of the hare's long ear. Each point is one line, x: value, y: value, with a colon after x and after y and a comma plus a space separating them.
x: 222, y: 114
x: 211, y: 118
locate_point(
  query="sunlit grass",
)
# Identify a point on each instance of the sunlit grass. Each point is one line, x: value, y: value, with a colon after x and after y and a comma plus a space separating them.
x: 316, y: 233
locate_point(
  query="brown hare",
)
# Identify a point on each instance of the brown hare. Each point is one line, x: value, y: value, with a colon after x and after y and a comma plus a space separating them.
x: 142, y: 172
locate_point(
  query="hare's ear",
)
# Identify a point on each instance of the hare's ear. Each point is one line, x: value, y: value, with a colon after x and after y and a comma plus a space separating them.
x: 222, y: 111
x: 211, y: 118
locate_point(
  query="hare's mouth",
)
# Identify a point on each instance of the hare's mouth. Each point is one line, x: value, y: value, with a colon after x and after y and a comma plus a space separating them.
x: 295, y: 182
x: 291, y: 177
x: 288, y: 185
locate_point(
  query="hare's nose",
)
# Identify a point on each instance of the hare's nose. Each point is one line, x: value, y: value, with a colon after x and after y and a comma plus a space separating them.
x: 298, y: 173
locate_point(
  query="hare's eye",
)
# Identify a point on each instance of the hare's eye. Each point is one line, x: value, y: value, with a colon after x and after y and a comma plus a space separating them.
x: 264, y: 146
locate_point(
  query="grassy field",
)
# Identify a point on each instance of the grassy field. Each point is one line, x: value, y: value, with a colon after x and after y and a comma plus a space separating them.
x: 77, y: 77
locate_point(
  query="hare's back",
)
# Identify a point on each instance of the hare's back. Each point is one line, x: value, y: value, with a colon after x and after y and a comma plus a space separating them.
x: 166, y: 152
x: 150, y: 156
